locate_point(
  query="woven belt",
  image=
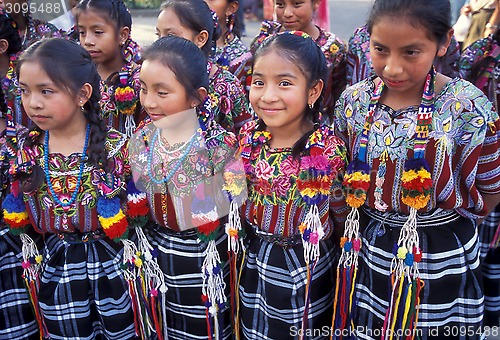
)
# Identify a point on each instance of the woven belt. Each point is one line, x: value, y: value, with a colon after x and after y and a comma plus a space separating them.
x: 435, y: 218
x: 78, y: 237
x: 279, y: 240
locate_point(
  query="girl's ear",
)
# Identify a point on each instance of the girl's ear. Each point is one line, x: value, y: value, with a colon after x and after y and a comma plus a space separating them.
x: 123, y: 35
x: 315, y: 92
x: 201, y: 39
x: 315, y: 4
x: 84, y: 94
x: 444, y: 46
x: 4, y: 46
x: 232, y: 8
x: 202, y: 93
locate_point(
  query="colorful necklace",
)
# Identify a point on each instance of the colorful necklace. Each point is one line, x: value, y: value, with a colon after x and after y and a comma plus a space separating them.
x: 416, y: 190
x: 46, y: 169
x: 177, y: 165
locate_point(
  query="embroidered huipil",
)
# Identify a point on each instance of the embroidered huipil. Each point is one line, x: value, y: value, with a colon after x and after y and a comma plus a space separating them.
x: 12, y: 91
x: 170, y: 202
x: 274, y: 203
x: 239, y: 58
x: 462, y: 151
x: 46, y: 216
x: 228, y: 101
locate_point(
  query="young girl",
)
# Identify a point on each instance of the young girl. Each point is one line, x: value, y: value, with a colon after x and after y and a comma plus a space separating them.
x: 192, y: 20
x: 178, y: 160
x: 230, y: 52
x: 359, y: 65
x: 424, y: 151
x: 30, y: 30
x: 294, y: 166
x: 104, y: 27
x: 68, y: 180
x: 293, y: 15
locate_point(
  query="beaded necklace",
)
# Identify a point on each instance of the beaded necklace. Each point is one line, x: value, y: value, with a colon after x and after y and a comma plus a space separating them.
x: 177, y: 165
x: 46, y: 169
x: 416, y: 190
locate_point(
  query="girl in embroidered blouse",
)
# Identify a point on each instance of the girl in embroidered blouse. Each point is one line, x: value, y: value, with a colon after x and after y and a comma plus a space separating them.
x: 423, y: 173
x: 298, y: 15
x: 104, y: 28
x: 192, y: 20
x: 230, y: 52
x: 294, y: 165
x: 179, y: 160
x: 67, y: 184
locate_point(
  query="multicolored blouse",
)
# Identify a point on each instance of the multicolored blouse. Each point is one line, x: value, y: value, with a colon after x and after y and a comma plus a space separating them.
x: 275, y: 202
x: 462, y: 150
x: 236, y: 57
x: 480, y: 64
x: 359, y: 63
x: 229, y: 102
x: 37, y: 29
x: 47, y: 216
x: 174, y: 175
x: 120, y: 105
x: 335, y: 51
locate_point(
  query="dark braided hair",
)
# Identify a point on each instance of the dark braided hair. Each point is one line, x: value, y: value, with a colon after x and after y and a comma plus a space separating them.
x: 113, y: 11
x: 9, y: 32
x: 197, y: 16
x: 308, y: 57
x: 69, y: 66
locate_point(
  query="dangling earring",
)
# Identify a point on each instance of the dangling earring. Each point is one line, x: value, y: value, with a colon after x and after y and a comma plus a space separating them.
x: 311, y: 105
x: 229, y: 25
x: 81, y: 106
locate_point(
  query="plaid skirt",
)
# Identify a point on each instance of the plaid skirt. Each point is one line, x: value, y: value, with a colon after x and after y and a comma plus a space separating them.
x: 83, y: 294
x: 452, y: 297
x: 490, y: 267
x: 180, y: 258
x: 273, y: 290
x: 17, y: 320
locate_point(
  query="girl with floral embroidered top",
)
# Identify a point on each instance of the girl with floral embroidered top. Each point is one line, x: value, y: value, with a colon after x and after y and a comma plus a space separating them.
x: 104, y: 27
x: 30, y: 30
x: 185, y: 163
x: 294, y: 165
x: 67, y: 184
x: 293, y: 15
x: 192, y: 20
x: 424, y: 171
x: 230, y: 52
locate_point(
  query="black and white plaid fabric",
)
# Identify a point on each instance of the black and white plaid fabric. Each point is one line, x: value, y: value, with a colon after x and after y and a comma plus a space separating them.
x: 453, y: 294
x: 272, y: 291
x: 490, y: 267
x: 181, y: 256
x: 17, y: 320
x: 83, y: 294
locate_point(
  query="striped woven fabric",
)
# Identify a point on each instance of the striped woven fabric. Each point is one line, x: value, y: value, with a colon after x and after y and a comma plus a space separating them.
x: 452, y: 296
x: 181, y: 256
x: 272, y: 291
x: 83, y: 294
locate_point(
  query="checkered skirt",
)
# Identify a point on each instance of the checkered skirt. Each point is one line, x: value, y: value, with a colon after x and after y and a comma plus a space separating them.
x: 453, y: 294
x: 17, y: 320
x: 490, y: 267
x: 272, y: 290
x: 83, y: 294
x: 181, y: 256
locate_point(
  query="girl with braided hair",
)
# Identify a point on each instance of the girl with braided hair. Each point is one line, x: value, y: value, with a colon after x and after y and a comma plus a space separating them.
x: 68, y: 184
x: 104, y: 28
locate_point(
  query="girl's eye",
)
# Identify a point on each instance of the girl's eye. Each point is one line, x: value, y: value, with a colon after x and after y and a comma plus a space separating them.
x: 24, y: 91
x: 162, y: 93
x: 378, y: 49
x: 47, y: 91
x: 279, y: 5
x: 143, y: 90
x: 99, y: 32
x: 285, y: 83
x: 412, y: 53
x: 258, y: 83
